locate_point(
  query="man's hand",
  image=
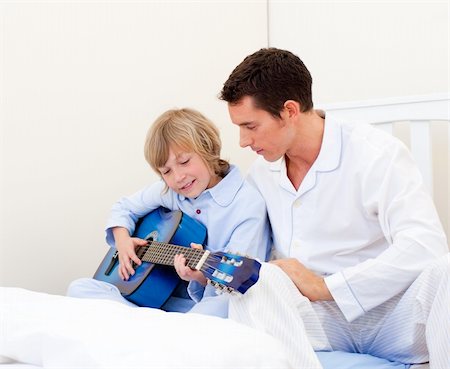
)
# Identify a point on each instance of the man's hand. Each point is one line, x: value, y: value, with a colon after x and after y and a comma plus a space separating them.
x: 309, y: 284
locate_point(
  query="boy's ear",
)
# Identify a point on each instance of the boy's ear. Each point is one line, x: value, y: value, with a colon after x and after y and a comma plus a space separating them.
x: 292, y: 108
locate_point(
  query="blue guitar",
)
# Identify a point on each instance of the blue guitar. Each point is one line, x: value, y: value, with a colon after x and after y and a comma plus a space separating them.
x: 155, y: 279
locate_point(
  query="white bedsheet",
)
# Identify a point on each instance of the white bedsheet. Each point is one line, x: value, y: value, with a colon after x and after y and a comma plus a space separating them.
x: 60, y: 332
x: 48, y: 331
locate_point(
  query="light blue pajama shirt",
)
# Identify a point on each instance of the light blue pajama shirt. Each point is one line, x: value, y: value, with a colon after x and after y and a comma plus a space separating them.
x: 234, y: 214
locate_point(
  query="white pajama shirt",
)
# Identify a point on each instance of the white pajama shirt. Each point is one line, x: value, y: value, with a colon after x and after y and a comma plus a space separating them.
x: 361, y: 216
x: 362, y: 219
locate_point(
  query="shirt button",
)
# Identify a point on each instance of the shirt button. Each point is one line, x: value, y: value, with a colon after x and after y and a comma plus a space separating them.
x: 198, y: 211
x: 297, y: 203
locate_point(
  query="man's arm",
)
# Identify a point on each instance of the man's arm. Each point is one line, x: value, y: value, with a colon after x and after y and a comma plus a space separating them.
x: 393, y: 192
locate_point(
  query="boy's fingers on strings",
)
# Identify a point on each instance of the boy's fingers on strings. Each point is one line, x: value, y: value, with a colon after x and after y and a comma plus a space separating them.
x: 133, y: 257
x: 196, y: 246
x: 126, y: 268
x: 123, y: 272
x: 139, y: 242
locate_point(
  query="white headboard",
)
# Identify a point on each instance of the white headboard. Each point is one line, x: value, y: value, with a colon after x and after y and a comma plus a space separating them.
x: 420, y: 112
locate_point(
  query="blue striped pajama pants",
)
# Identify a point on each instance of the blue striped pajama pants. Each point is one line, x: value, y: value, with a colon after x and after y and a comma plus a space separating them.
x: 410, y: 328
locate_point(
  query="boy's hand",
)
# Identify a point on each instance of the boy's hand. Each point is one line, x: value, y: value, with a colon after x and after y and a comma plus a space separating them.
x: 127, y: 254
x: 185, y: 272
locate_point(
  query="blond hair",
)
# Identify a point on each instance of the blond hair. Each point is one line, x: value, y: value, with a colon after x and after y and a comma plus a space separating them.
x: 189, y: 130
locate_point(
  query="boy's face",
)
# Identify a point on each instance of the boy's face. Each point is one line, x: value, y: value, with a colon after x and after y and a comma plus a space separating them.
x: 186, y: 173
x: 266, y: 135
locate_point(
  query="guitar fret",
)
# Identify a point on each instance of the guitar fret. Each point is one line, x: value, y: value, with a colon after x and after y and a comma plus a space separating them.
x: 164, y: 253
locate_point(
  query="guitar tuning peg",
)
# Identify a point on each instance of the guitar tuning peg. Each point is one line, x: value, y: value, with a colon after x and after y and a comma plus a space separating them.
x: 213, y: 283
x: 219, y: 288
x: 229, y: 289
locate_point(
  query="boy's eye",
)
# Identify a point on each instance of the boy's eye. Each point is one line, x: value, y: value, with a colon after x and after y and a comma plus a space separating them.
x: 185, y: 161
x: 164, y: 171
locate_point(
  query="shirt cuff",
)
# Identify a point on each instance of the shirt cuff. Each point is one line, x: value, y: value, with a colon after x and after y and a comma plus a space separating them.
x: 110, y: 238
x: 344, y: 297
x: 195, y: 290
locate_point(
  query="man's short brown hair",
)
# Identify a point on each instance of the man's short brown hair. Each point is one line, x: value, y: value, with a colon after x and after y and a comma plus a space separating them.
x: 271, y: 77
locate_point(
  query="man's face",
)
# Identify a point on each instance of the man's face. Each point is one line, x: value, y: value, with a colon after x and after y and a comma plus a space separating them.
x: 266, y: 135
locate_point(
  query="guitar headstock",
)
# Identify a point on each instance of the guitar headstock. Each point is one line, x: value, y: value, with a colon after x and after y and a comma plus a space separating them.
x: 228, y: 272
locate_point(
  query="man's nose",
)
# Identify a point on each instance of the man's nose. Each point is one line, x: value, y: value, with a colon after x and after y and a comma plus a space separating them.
x: 244, y: 139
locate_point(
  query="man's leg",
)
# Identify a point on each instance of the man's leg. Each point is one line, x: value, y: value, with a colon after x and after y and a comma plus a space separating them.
x: 274, y: 305
x: 419, y: 325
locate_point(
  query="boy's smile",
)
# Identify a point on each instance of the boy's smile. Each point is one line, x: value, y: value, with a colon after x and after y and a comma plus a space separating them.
x: 187, y: 173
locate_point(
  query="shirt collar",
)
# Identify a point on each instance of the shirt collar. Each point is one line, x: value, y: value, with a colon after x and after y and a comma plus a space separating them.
x: 330, y: 150
x: 225, y: 191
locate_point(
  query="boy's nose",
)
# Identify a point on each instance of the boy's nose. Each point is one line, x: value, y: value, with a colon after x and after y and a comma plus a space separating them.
x: 179, y: 175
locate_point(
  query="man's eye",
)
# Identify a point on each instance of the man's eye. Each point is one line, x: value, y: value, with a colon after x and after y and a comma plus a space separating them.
x: 165, y: 172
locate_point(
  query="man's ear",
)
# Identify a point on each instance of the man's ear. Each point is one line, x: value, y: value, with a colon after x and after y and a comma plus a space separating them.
x: 292, y: 108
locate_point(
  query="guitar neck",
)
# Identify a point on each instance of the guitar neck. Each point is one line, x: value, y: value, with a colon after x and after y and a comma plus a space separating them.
x: 164, y: 253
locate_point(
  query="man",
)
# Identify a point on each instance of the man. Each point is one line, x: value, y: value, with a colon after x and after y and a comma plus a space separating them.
x: 365, y: 260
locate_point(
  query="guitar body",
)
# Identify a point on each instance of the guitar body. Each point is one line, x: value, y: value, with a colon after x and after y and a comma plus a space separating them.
x: 153, y: 284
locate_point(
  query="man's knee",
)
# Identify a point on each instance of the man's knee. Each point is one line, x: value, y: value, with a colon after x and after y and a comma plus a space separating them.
x: 441, y: 266
x: 435, y: 278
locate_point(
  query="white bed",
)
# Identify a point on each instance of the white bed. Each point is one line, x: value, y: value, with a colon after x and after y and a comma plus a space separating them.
x: 49, y: 331
x: 55, y: 332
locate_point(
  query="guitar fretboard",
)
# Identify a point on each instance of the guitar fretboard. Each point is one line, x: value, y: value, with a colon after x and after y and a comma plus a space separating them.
x: 163, y: 253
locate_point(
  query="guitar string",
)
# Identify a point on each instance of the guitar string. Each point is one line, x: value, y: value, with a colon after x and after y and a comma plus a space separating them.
x: 166, y: 256
x: 160, y: 249
x: 192, y: 255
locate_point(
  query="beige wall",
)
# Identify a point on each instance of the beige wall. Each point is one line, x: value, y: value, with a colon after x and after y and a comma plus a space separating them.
x: 80, y: 83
